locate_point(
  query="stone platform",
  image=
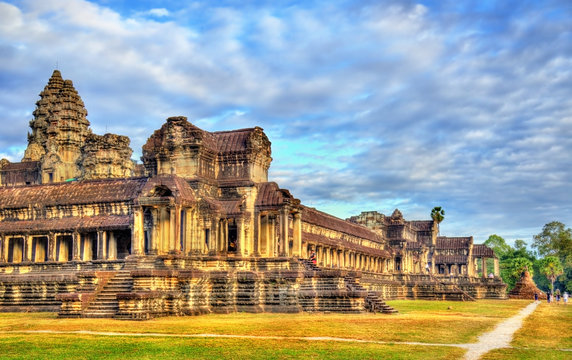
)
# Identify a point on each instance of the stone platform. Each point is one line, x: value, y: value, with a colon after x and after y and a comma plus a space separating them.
x: 153, y: 286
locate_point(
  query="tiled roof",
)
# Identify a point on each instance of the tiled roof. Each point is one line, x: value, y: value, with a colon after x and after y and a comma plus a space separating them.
x: 231, y: 207
x: 270, y: 195
x: 450, y: 259
x: 180, y: 188
x: 414, y: 245
x: 483, y: 250
x: 189, y: 135
x: 422, y: 225
x: 89, y: 223
x: 323, y: 240
x: 22, y: 166
x: 453, y: 242
x: 84, y: 192
x: 327, y: 221
x: 232, y: 141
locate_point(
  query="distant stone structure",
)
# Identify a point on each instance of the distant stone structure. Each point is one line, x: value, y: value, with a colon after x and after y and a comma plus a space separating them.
x: 198, y: 228
x: 525, y: 288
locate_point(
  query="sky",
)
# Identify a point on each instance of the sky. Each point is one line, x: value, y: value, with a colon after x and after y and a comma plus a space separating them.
x: 369, y: 105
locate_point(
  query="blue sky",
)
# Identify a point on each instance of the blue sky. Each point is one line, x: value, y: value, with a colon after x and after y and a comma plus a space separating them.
x: 369, y: 105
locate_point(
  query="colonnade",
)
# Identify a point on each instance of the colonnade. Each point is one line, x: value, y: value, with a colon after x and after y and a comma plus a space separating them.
x: 484, y: 261
x: 348, y: 259
x: 172, y: 229
x: 63, y: 246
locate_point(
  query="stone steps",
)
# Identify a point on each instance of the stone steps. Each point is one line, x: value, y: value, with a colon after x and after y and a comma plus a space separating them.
x: 105, y: 304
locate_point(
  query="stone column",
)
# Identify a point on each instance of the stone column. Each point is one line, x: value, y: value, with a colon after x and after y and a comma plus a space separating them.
x: 496, y: 267
x: 155, y: 234
x: 272, y: 241
x: 101, y: 245
x: 256, y: 234
x: 484, y: 266
x: 220, y: 237
x: 192, y: 238
x: 137, y: 232
x: 240, y: 241
x: 51, y: 247
x: 2, y: 247
x: 27, y: 248
x: 284, y: 232
x: 76, y: 246
x: 297, y: 238
x: 171, y: 240
x: 179, y: 234
x: 266, y: 237
x: 163, y: 243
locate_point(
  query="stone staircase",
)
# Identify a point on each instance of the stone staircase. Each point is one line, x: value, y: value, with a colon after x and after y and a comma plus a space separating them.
x: 309, y: 265
x: 105, y: 304
x: 373, y: 302
x: 462, y: 294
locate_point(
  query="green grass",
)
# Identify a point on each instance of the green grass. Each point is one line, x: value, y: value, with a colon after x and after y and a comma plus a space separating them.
x: 418, y: 321
x: 543, y: 335
x: 436, y: 322
x: 92, y: 347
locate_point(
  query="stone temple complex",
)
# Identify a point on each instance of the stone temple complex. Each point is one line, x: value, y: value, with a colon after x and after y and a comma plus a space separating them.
x: 197, y: 228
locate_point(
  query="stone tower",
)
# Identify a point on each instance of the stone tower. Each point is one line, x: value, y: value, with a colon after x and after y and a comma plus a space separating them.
x: 59, y: 130
x: 63, y: 144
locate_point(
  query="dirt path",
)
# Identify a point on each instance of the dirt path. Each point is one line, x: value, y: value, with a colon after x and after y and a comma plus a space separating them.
x: 500, y: 337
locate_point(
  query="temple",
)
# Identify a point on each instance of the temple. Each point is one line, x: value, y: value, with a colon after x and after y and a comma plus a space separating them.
x: 197, y: 227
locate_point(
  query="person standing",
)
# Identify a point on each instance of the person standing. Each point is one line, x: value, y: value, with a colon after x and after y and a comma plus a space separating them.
x: 565, y: 297
x: 313, y: 258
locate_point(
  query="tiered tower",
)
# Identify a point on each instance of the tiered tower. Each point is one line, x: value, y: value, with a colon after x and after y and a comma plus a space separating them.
x: 59, y: 131
x: 63, y: 144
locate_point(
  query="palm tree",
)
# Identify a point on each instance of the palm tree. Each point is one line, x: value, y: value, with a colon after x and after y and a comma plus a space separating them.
x: 437, y: 214
x: 552, y: 269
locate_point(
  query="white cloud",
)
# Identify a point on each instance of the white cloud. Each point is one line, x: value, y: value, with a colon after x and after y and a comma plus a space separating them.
x: 160, y: 12
x: 466, y: 110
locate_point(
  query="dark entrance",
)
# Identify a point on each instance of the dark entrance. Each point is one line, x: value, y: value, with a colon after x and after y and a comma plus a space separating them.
x: 398, y: 263
x: 232, y: 237
x: 16, y: 250
x: 40, y: 249
x: 123, y: 238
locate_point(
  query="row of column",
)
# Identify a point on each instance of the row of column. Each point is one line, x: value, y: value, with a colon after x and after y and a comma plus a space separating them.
x: 174, y: 229
x: 57, y: 247
x: 347, y: 259
x: 267, y: 243
x: 496, y: 271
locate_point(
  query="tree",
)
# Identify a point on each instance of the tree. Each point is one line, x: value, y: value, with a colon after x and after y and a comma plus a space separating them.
x: 437, y: 214
x: 499, y: 246
x: 555, y: 240
x: 512, y: 269
x: 520, y: 250
x: 551, y: 267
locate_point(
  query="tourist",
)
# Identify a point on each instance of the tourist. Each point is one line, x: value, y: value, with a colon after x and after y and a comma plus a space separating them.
x: 313, y: 258
x: 548, y: 295
x: 565, y: 297
x: 491, y: 276
x: 557, y: 293
x: 427, y: 268
x: 536, y: 297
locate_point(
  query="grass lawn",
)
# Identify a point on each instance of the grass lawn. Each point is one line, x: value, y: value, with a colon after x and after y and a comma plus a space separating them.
x: 98, y: 347
x: 437, y: 322
x: 543, y: 333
